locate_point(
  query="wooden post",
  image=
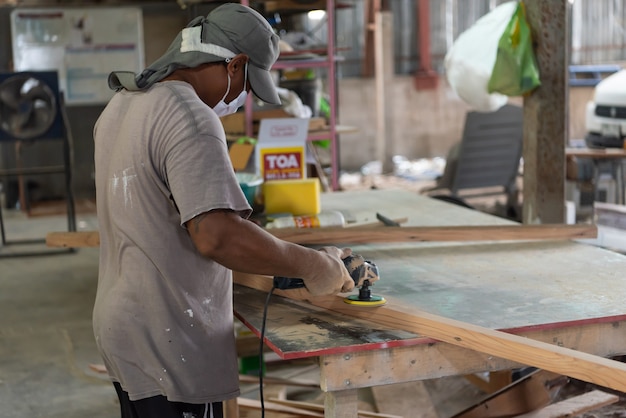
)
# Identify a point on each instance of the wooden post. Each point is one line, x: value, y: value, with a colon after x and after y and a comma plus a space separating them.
x: 546, y: 115
x: 384, y: 57
x: 341, y: 404
x: 425, y: 77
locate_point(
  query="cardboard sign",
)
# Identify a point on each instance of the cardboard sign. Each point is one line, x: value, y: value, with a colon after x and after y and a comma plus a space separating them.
x: 284, y: 163
x: 280, y: 151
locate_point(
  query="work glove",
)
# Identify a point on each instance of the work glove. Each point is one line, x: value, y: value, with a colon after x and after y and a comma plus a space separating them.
x: 328, y: 275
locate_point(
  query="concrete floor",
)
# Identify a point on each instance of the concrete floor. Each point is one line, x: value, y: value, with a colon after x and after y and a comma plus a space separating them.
x: 46, y: 339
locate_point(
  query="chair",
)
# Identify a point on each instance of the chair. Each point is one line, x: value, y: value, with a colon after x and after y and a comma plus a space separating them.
x: 487, y: 156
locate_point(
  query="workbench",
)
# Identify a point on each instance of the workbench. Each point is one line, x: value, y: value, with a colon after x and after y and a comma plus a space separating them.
x: 561, y: 292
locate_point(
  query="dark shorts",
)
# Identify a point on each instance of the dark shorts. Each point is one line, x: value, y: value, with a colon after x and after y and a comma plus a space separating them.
x: 160, y: 407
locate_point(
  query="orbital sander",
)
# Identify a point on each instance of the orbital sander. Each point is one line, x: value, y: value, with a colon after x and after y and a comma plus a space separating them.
x: 363, y: 272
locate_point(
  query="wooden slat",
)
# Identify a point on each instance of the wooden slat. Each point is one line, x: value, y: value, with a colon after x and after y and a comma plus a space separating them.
x: 435, y: 233
x: 365, y: 235
x: 522, y: 396
x: 277, y: 381
x: 574, y: 406
x: 275, y: 407
x: 73, y: 239
x: 315, y: 407
x: 579, y: 365
x: 405, y: 399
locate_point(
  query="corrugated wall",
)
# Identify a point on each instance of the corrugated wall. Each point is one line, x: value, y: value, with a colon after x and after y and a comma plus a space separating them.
x: 598, y: 31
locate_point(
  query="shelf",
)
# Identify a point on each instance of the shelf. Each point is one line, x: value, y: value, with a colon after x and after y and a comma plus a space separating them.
x: 308, y: 63
x: 323, y: 61
x: 293, y: 6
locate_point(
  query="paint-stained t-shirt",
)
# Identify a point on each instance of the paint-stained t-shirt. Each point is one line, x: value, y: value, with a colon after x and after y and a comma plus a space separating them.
x: 163, y: 313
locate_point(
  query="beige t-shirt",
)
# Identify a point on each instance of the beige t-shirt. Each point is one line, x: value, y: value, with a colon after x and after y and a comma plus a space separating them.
x: 163, y: 317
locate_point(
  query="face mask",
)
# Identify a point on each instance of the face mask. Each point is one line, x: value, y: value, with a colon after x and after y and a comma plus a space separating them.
x: 222, y: 108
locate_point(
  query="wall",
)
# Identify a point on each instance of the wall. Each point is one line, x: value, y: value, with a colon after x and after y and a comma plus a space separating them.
x: 425, y: 123
x: 161, y: 24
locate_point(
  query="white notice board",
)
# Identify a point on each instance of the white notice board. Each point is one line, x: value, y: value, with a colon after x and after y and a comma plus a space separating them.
x: 83, y: 44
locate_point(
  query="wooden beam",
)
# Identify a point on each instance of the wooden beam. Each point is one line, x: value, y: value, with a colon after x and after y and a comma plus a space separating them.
x: 73, y: 239
x: 320, y: 408
x: 575, y: 406
x: 231, y: 409
x: 528, y: 394
x: 435, y: 233
x: 277, y: 381
x: 384, y: 67
x: 370, y: 234
x: 275, y: 407
x: 425, y: 77
x: 561, y: 360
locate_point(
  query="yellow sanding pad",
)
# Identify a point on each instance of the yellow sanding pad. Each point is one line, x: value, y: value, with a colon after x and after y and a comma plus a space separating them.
x: 374, y: 301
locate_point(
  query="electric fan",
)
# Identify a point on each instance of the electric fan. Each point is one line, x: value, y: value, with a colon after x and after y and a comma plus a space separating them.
x: 29, y: 106
x: 31, y: 110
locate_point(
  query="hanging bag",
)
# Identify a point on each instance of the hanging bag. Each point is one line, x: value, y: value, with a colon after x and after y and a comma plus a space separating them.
x: 470, y: 60
x: 515, y: 71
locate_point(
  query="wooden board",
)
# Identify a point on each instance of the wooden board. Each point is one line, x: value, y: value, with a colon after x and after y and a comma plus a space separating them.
x: 529, y: 393
x: 508, y: 286
x: 574, y: 406
x: 405, y: 399
x: 372, y: 234
x: 365, y: 235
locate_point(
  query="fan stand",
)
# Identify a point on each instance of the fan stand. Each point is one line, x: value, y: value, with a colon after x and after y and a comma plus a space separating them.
x: 20, y: 171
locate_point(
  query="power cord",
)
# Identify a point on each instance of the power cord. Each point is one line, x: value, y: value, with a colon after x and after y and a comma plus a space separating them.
x: 282, y: 283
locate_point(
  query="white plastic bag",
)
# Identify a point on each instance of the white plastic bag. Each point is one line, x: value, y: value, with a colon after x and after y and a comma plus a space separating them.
x: 292, y: 103
x: 470, y: 61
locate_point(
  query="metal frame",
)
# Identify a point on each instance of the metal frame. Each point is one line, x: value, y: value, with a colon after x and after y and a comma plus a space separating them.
x: 64, y: 169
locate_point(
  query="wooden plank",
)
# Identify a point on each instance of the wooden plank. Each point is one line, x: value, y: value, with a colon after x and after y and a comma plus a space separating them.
x: 368, y: 235
x: 342, y: 403
x: 275, y: 407
x: 376, y: 224
x: 384, y: 67
x: 574, y: 406
x: 316, y: 407
x: 73, y: 239
x: 277, y: 381
x: 371, y: 234
x: 528, y: 394
x: 409, y: 399
x: 579, y: 365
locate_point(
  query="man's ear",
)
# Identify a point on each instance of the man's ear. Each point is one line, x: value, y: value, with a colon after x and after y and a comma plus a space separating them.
x: 237, y: 63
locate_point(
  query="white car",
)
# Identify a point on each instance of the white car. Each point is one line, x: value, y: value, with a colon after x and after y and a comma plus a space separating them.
x: 605, y: 119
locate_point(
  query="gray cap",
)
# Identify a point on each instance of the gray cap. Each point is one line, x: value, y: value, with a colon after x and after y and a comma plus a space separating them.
x: 228, y: 30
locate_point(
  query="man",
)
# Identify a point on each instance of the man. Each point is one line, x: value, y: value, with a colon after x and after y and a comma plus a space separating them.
x: 172, y: 221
